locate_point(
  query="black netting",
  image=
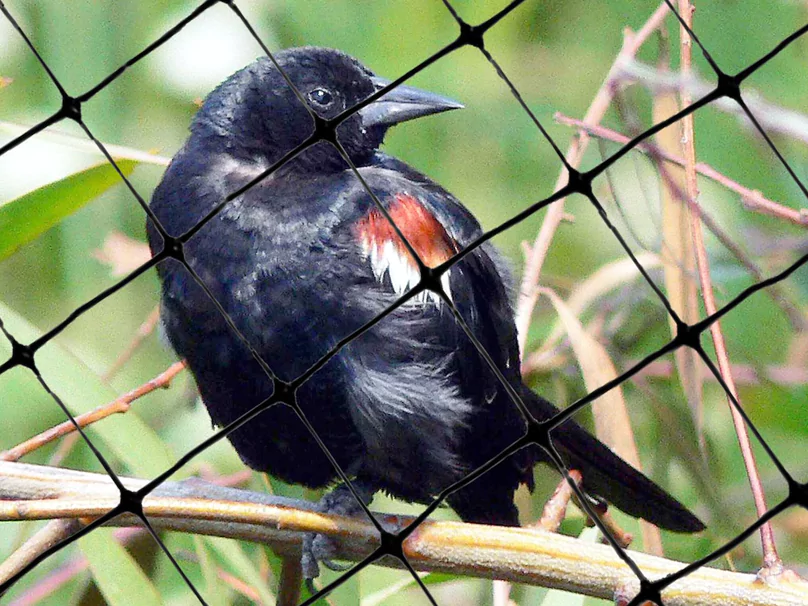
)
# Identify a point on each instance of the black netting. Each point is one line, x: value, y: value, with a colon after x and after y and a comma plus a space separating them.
x: 726, y: 87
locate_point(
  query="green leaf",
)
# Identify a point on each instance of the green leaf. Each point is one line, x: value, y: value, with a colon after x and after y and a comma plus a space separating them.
x: 29, y: 216
x: 118, y: 576
x: 125, y: 435
x: 215, y: 593
x: 405, y: 582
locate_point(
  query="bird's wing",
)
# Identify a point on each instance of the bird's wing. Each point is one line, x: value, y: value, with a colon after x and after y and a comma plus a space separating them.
x: 273, y: 266
x: 430, y: 386
x: 448, y: 210
x: 388, y: 240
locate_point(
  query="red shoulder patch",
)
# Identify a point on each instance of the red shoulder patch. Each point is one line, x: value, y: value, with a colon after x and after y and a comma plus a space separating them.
x: 422, y: 230
x: 389, y: 256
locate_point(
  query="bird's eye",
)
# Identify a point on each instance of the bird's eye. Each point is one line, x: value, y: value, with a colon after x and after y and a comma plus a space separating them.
x: 321, y: 97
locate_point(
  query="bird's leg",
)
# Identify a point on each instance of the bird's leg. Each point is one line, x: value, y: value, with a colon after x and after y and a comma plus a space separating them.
x: 321, y: 548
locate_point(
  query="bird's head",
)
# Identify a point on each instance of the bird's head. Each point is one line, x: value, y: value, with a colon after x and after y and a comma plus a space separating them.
x: 255, y: 115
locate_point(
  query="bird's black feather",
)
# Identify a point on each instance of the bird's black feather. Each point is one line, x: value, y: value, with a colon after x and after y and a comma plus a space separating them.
x: 410, y: 406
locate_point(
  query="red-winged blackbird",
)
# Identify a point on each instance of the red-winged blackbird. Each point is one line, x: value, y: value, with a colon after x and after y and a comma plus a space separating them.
x: 304, y: 257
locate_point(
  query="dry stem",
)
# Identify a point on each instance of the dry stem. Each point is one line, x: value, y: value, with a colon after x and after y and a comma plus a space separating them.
x: 796, y: 317
x: 771, y: 560
x: 143, y: 331
x: 744, y: 374
x: 751, y: 198
x: 774, y: 118
x: 528, y: 292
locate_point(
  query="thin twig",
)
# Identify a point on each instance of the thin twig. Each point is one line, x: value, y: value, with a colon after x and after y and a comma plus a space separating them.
x: 118, y: 405
x: 744, y: 374
x: 233, y: 480
x: 773, y: 118
x: 64, y: 448
x: 53, y: 532
x: 54, y: 581
x: 143, y: 331
x: 528, y: 292
x: 751, y: 198
x: 555, y: 510
x: 771, y: 560
x: 238, y: 585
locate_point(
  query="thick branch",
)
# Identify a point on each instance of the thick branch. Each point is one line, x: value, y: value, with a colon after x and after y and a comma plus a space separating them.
x: 517, y: 554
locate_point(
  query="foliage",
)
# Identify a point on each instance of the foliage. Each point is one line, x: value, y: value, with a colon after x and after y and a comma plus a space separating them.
x: 57, y: 211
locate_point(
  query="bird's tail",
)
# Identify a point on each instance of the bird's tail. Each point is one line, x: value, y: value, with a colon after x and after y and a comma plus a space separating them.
x: 611, y: 478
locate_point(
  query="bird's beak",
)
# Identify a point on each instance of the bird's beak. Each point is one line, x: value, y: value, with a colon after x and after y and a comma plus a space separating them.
x: 403, y: 103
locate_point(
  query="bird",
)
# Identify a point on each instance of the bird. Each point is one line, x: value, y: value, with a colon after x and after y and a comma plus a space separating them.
x: 306, y: 256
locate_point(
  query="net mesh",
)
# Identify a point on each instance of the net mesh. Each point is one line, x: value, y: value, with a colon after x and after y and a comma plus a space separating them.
x: 728, y: 88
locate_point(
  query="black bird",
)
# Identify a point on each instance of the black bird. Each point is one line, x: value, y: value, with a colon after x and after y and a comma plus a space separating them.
x: 304, y: 257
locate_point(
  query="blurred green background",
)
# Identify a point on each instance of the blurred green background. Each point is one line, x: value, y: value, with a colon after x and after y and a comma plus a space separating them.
x: 491, y: 156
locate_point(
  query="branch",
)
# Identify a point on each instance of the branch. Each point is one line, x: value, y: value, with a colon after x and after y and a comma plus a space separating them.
x: 745, y: 374
x: 52, y: 533
x: 118, y: 405
x: 31, y: 492
x: 771, y: 559
x: 751, y: 198
x: 143, y: 331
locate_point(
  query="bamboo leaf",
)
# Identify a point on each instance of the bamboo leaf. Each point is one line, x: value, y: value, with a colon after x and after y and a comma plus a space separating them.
x: 116, y: 573
x: 678, y: 256
x: 612, y: 424
x: 24, y: 219
x: 215, y: 591
x: 232, y: 555
x: 606, y: 279
x: 127, y: 436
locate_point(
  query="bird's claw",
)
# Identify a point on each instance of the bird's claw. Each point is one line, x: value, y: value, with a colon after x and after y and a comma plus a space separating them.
x: 336, y: 567
x: 320, y: 548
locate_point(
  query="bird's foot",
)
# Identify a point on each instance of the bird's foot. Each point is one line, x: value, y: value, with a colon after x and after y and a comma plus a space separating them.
x: 319, y: 548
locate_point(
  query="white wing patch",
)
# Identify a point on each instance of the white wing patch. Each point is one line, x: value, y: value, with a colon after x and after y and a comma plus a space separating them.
x: 386, y: 258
